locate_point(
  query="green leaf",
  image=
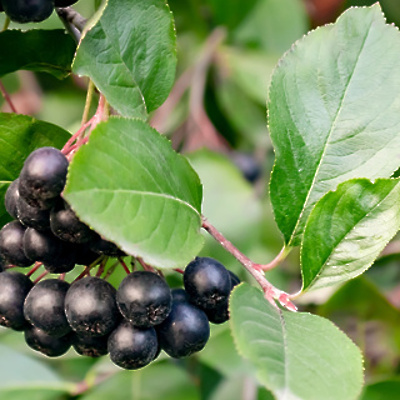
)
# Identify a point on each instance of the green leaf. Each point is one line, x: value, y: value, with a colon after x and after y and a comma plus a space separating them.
x: 49, y: 51
x: 384, y: 390
x: 130, y: 54
x: 147, y: 384
x: 272, y: 25
x: 298, y: 356
x: 347, y: 230
x: 333, y: 113
x: 130, y: 186
x: 19, y: 136
x: 34, y: 393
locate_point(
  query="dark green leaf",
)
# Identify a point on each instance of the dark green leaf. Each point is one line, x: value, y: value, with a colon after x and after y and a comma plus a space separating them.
x: 130, y: 186
x: 347, y: 230
x: 130, y: 55
x: 385, y: 390
x: 297, y: 355
x: 19, y: 136
x: 333, y: 113
x: 49, y: 51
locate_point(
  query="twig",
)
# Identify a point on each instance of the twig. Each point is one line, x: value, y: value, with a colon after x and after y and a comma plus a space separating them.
x: 40, y: 277
x: 34, y: 269
x: 7, y: 98
x: 271, y: 293
x: 71, y: 17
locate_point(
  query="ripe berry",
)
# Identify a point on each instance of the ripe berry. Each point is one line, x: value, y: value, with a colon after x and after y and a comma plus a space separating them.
x: 144, y: 298
x: 11, y: 197
x: 67, y: 226
x: 11, y: 244
x: 14, y: 288
x: 90, y: 346
x: 185, y: 331
x: 207, y: 282
x: 44, y: 307
x: 91, y: 308
x: 179, y: 295
x: 41, y: 246
x: 32, y: 216
x: 131, y: 347
x: 51, y: 346
x: 64, y: 3
x: 43, y: 176
x: 28, y: 10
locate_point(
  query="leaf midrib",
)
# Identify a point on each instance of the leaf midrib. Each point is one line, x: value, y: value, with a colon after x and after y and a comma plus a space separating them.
x: 328, y: 138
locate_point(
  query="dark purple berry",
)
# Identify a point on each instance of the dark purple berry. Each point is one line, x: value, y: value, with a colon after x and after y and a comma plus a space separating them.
x: 32, y: 216
x: 41, y: 246
x: 91, y: 308
x: 85, y: 256
x: 234, y: 279
x: 179, y: 295
x: 64, y: 3
x: 28, y: 10
x: 67, y: 226
x: 247, y: 165
x: 11, y: 197
x: 131, y: 347
x: 43, y: 177
x: 144, y: 298
x: 51, y: 346
x: 104, y: 247
x: 90, y: 346
x: 44, y: 307
x: 14, y: 288
x: 185, y: 331
x: 207, y: 282
x: 11, y: 244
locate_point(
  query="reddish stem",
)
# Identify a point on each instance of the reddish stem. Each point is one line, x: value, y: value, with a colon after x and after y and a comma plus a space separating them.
x: 7, y: 98
x: 145, y: 266
x: 34, y: 269
x: 40, y: 277
x: 67, y: 147
x: 110, y: 270
x: 62, y: 277
x: 122, y: 262
x: 271, y: 293
x: 181, y: 271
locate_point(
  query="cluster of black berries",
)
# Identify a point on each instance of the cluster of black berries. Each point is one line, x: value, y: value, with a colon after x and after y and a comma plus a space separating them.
x: 23, y: 11
x: 132, y: 323
x: 46, y: 229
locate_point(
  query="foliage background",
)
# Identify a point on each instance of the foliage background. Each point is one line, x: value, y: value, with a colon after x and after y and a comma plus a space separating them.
x: 215, y: 115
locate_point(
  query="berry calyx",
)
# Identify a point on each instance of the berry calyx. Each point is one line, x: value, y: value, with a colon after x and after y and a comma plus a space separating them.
x: 144, y: 298
x: 91, y: 308
x: 131, y: 347
x: 90, y: 346
x: 32, y: 216
x: 44, y: 307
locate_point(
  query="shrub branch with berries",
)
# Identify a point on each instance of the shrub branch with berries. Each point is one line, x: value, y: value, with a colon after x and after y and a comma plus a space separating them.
x: 118, y: 196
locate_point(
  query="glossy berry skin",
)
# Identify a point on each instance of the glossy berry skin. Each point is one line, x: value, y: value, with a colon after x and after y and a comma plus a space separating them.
x: 11, y: 244
x: 64, y: 3
x: 44, y: 307
x: 28, y: 10
x: 51, y: 346
x: 185, y: 331
x: 14, y: 288
x: 90, y: 346
x: 179, y: 295
x: 11, y: 197
x: 131, y: 347
x: 32, y: 217
x: 91, y: 308
x: 207, y: 282
x: 144, y: 298
x: 41, y: 246
x: 67, y: 226
x: 43, y: 177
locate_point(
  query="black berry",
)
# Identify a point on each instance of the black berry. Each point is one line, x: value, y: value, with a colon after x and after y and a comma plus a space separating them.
x: 44, y: 307
x: 11, y: 244
x: 67, y: 226
x: 104, y: 247
x: 64, y: 3
x: 11, y: 197
x: 51, y: 346
x: 131, y: 347
x: 144, y: 298
x: 91, y: 308
x: 14, y: 288
x: 43, y: 177
x: 41, y: 246
x: 28, y: 10
x: 207, y: 282
x: 185, y: 331
x: 179, y: 295
x: 90, y: 346
x: 32, y: 216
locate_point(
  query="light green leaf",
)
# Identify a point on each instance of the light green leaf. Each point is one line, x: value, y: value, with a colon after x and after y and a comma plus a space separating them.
x: 298, y: 356
x: 130, y: 54
x: 130, y: 186
x: 49, y: 51
x: 19, y: 136
x: 347, y: 230
x: 333, y: 113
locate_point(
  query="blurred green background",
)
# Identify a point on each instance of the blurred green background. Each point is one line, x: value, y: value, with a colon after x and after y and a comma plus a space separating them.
x: 216, y: 115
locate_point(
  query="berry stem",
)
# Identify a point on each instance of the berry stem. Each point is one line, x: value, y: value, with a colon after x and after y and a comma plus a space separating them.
x: 271, y: 293
x: 6, y: 24
x: 40, y: 277
x: 181, y: 271
x: 34, y: 269
x: 88, y: 102
x: 7, y: 98
x: 110, y: 270
x: 68, y: 146
x: 125, y: 267
x: 145, y: 266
